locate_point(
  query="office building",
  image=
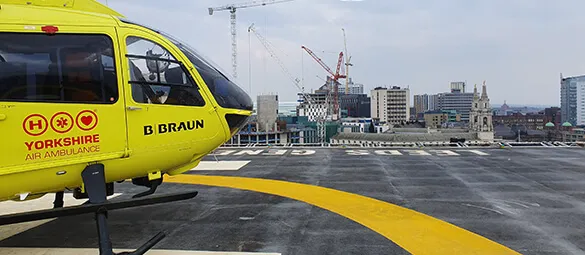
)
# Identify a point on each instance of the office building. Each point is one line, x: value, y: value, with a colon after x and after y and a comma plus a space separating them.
x: 424, y: 103
x: 457, y: 87
x: 353, y: 88
x: 572, y: 107
x: 457, y: 100
x: 354, y: 105
x: 390, y: 105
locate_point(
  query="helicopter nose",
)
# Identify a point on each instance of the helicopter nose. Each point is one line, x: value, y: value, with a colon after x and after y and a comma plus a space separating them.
x: 236, y: 122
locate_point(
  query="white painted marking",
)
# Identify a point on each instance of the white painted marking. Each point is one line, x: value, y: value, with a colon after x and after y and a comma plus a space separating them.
x: 222, y: 165
x: 350, y: 152
x: 481, y: 153
x: 275, y: 152
x: 418, y: 152
x: 246, y: 218
x: 357, y: 152
x: 445, y: 153
x: 44, y: 202
x: 388, y: 152
x: 249, y: 152
x: 302, y: 152
x: 91, y: 251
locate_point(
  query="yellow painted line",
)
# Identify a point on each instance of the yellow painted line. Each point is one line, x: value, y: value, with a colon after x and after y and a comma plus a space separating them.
x: 415, y: 232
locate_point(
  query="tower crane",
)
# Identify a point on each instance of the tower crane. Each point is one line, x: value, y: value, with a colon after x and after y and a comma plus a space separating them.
x: 347, y: 63
x: 320, y: 119
x: 232, y: 8
x: 334, y: 76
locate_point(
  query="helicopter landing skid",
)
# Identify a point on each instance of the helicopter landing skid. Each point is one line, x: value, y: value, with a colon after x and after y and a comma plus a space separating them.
x: 94, y: 180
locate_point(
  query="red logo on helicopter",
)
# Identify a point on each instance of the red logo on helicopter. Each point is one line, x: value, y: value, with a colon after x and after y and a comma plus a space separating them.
x: 60, y: 122
x: 35, y: 124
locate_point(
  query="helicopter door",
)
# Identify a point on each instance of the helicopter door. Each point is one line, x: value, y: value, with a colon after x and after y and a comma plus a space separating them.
x: 59, y: 98
x: 165, y: 111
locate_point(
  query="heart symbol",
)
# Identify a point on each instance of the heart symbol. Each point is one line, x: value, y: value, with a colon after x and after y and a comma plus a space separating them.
x: 86, y: 120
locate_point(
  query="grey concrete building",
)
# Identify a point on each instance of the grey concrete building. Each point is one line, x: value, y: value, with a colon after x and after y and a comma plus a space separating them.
x: 267, y: 112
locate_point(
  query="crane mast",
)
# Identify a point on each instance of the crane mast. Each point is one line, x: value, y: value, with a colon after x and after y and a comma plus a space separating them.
x: 320, y: 119
x: 347, y: 63
x: 232, y: 9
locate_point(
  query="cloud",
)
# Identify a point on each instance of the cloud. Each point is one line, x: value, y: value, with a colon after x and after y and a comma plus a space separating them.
x: 518, y: 46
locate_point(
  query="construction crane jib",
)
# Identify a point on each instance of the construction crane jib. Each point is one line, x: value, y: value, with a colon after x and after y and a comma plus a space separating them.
x: 321, y: 132
x: 334, y: 76
x: 232, y: 8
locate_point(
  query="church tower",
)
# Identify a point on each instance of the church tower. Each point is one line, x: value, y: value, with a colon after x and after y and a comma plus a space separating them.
x: 474, y: 113
x: 480, y: 119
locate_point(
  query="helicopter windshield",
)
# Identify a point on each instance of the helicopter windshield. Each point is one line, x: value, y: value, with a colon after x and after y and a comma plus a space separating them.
x: 226, y: 92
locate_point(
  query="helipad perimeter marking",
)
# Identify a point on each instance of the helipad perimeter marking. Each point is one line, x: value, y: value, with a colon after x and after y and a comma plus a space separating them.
x: 352, y: 152
x: 417, y: 233
x: 84, y: 251
x: 223, y: 165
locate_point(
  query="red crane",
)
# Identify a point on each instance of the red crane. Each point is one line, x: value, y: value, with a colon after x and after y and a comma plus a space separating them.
x: 335, y: 76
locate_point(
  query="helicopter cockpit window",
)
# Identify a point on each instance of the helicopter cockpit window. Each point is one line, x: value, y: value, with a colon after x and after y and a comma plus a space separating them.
x: 156, y: 77
x: 59, y: 68
x: 227, y: 93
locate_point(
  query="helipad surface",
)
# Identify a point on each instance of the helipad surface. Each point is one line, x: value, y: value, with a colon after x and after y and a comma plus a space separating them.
x: 530, y: 200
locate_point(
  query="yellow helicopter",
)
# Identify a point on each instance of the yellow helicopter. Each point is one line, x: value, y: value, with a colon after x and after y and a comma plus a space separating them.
x: 89, y: 98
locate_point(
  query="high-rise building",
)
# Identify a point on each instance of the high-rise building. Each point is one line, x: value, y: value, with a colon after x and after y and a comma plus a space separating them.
x: 457, y: 100
x: 267, y: 112
x: 457, y: 87
x: 354, y: 88
x: 355, y: 105
x: 572, y: 99
x: 423, y: 103
x: 580, y: 102
x: 390, y: 105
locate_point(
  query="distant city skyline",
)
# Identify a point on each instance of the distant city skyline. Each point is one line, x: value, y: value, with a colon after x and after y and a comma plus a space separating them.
x: 421, y: 44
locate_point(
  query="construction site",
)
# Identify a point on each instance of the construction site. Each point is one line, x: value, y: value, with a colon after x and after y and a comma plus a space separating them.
x: 322, y: 105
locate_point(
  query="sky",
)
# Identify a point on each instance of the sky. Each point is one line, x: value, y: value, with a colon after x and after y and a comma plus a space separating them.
x: 518, y: 47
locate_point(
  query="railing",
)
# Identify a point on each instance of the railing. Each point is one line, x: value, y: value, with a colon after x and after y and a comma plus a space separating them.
x: 466, y: 144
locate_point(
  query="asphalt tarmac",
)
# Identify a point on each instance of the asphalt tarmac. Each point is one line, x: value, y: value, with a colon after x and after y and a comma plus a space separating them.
x: 531, y: 200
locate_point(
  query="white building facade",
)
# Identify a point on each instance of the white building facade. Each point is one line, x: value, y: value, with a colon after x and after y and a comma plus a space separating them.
x: 390, y: 105
x: 580, y: 102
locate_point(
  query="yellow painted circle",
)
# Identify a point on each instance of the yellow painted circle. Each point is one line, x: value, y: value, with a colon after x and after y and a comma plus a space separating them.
x: 415, y: 232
